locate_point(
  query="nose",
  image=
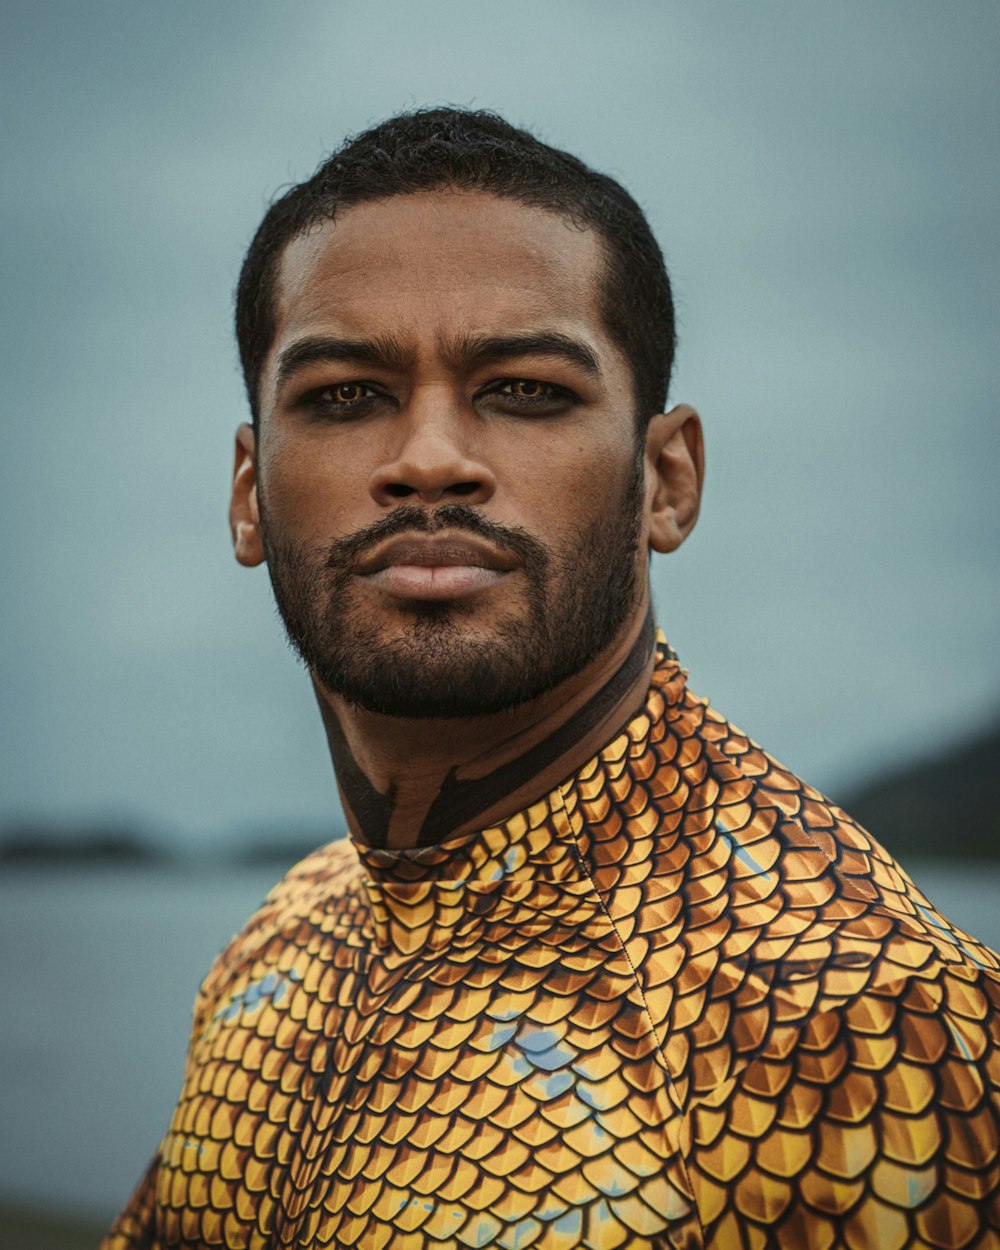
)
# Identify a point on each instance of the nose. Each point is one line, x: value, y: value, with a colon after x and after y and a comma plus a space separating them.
x: 432, y: 458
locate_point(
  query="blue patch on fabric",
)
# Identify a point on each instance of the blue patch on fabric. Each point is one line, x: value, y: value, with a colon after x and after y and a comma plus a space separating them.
x: 501, y: 1035
x: 273, y: 986
x: 555, y: 1083
x: 552, y: 1060
x: 741, y: 853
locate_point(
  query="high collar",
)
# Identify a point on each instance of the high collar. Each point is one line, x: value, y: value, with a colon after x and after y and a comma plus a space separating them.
x: 420, y: 897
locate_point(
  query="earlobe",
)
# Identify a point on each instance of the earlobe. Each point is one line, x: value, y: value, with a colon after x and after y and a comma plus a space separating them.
x: 675, y: 471
x: 244, y: 511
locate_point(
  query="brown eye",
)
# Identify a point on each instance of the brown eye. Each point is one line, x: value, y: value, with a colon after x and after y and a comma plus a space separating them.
x: 525, y: 388
x: 347, y: 392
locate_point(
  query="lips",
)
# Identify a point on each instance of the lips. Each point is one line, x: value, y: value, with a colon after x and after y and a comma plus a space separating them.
x: 435, y: 566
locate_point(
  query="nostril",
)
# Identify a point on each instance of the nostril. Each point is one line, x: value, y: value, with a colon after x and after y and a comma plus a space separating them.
x: 464, y: 488
x: 398, y: 490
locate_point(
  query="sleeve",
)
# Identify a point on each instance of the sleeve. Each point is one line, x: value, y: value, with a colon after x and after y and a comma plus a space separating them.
x: 133, y: 1229
x: 875, y: 1126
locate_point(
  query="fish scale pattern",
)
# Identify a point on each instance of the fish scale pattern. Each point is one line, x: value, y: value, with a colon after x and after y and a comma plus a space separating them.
x: 681, y: 1002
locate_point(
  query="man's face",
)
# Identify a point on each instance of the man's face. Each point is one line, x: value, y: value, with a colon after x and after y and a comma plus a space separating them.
x: 449, y: 480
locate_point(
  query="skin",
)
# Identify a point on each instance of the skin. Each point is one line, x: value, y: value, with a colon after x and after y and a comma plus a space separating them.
x: 439, y: 423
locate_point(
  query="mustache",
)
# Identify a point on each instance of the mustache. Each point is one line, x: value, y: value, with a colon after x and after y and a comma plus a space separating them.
x: 409, y: 518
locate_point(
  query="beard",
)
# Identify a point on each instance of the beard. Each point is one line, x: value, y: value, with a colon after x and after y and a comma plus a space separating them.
x: 440, y: 663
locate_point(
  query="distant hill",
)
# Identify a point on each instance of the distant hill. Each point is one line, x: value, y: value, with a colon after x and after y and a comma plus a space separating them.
x: 29, y: 843
x: 944, y: 806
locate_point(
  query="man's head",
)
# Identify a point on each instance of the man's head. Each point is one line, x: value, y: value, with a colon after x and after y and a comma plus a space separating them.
x: 446, y: 476
x: 475, y: 151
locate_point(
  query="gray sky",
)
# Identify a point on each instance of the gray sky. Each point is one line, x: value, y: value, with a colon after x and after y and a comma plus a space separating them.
x: 824, y: 180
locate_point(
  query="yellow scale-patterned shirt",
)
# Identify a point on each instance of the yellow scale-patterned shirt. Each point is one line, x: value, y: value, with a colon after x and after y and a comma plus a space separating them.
x: 681, y: 1001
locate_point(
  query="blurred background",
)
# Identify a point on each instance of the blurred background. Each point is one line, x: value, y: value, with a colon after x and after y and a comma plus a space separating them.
x: 824, y: 181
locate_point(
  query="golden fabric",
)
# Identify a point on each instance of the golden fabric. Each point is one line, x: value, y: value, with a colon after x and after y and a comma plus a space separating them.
x: 682, y: 1001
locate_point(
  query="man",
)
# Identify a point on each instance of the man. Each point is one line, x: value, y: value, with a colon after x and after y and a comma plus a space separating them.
x: 592, y: 969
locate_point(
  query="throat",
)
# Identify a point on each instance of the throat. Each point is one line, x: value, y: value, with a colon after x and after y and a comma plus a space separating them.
x: 407, y: 783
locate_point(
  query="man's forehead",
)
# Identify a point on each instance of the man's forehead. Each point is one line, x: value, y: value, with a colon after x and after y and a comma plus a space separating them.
x: 439, y: 255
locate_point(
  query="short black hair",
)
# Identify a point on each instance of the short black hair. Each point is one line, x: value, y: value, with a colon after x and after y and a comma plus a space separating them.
x: 466, y: 149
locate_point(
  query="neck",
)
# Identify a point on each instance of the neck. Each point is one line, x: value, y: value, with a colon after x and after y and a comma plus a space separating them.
x: 408, y: 782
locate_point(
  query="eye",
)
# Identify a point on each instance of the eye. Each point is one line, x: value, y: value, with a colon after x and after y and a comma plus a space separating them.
x: 341, y: 399
x: 529, y: 395
x: 525, y: 388
x: 348, y: 392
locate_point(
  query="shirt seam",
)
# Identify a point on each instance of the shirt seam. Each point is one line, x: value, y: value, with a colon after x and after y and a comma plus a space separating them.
x: 585, y: 869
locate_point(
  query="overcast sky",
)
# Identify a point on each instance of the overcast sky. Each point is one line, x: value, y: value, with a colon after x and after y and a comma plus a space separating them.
x: 824, y: 182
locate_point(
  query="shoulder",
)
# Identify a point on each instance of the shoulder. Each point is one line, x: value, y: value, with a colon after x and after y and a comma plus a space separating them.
x: 318, y: 905
x: 794, y: 855
x: 879, y: 1118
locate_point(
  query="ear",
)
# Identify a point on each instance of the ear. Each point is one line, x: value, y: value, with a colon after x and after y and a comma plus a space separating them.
x: 675, y: 471
x: 244, y: 512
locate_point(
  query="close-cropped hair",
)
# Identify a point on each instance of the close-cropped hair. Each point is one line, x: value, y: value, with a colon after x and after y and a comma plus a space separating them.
x: 464, y: 149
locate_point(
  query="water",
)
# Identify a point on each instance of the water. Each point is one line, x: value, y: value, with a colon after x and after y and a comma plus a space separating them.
x: 99, y: 969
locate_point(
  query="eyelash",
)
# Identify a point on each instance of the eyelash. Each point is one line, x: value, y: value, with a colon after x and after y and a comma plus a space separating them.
x: 319, y: 405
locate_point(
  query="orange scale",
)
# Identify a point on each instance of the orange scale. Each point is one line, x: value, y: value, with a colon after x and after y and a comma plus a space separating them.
x: 828, y: 1196
x: 713, y: 1200
x: 505, y: 1110
x: 708, y: 1068
x: 923, y: 1040
x: 535, y: 1133
x: 910, y: 956
x: 853, y: 1100
x: 976, y: 1185
x: 766, y: 1078
x: 802, y: 1227
x: 725, y: 1159
x: 286, y: 1030
x: 209, y: 1076
x: 970, y: 1140
x: 565, y: 1111
x: 232, y: 1162
x: 350, y: 1231
x: 265, y: 1139
x: 785, y: 1154
x: 903, y: 1187
x: 908, y: 1089
x: 820, y: 1032
x: 751, y: 1117
x: 556, y: 1158
x: 622, y: 1126
x: 687, y: 1010
x: 761, y: 1198
x: 846, y: 1151
x: 878, y: 1224
x: 220, y: 1195
x: 708, y: 1124
x: 948, y: 1223
x: 965, y: 1000
x: 910, y: 1141
x: 290, y: 1081
x: 439, y: 1231
x: 845, y: 983
x: 639, y: 1049
x: 873, y: 1053
x: 799, y: 1107
x: 822, y: 1069
x: 751, y: 1026
x: 235, y: 1232
x: 960, y: 1086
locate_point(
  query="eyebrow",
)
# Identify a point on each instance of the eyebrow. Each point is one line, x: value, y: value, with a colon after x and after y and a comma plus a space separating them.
x: 468, y: 350
x: 384, y: 351
x: 495, y: 349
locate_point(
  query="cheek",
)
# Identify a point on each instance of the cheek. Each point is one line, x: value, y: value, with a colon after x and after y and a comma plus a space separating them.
x: 305, y: 496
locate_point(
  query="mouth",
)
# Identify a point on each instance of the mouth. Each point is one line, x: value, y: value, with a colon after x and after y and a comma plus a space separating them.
x: 435, y: 566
